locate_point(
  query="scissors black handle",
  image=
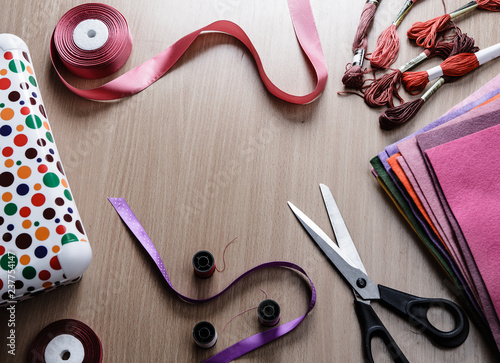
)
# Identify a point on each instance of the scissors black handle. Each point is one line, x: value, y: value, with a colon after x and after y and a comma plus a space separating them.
x: 372, y: 327
x: 414, y: 309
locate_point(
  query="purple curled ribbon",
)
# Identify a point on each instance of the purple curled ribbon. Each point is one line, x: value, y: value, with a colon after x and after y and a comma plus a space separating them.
x: 243, y: 346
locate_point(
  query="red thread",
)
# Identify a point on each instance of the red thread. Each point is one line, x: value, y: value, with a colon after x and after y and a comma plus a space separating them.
x: 241, y: 313
x: 396, y: 116
x: 365, y: 20
x: 353, y: 76
x: 425, y: 33
x: 459, y: 64
x: 490, y: 5
x: 463, y: 44
x: 387, y: 49
x: 383, y: 90
x: 223, y: 254
x: 415, y: 82
x: 455, y: 66
x: 442, y: 49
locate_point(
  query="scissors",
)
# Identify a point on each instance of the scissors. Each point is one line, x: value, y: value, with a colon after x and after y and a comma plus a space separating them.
x: 411, y: 308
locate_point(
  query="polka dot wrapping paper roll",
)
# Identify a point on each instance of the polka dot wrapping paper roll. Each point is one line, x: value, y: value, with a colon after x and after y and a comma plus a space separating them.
x: 43, y: 244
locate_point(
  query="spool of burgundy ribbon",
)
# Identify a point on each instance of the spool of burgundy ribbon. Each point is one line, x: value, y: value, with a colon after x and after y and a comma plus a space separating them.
x: 66, y: 340
x: 93, y: 40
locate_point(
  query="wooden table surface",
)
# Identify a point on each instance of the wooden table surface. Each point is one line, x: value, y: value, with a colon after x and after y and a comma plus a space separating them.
x: 206, y: 154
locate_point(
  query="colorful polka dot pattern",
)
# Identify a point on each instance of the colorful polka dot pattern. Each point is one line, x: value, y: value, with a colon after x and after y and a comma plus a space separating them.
x: 38, y: 216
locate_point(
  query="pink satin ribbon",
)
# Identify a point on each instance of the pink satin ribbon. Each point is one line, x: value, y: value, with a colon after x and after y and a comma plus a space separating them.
x: 62, y: 49
x: 244, y: 346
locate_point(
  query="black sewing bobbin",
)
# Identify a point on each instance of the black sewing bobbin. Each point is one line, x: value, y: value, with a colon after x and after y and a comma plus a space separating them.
x: 268, y: 312
x: 204, y: 264
x: 204, y: 334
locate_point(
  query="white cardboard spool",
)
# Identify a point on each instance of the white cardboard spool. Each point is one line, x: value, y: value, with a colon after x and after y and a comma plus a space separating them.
x: 90, y: 34
x: 62, y: 345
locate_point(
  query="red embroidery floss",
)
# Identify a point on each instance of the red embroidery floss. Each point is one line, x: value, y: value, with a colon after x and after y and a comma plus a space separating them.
x: 353, y: 76
x: 455, y: 66
x: 387, y: 49
x: 384, y: 89
x: 425, y: 33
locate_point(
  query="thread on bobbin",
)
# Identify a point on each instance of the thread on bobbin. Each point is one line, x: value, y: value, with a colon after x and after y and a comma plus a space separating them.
x: 204, y: 334
x: 269, y: 312
x: 203, y: 264
x: 242, y: 312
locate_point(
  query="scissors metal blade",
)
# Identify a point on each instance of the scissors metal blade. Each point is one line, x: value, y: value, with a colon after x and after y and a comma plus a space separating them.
x: 342, y: 235
x: 358, y: 280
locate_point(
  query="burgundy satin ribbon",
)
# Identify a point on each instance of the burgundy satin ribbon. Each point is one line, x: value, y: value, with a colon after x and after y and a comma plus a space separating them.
x: 244, y: 346
x: 103, y: 61
x: 148, y: 72
x: 89, y: 339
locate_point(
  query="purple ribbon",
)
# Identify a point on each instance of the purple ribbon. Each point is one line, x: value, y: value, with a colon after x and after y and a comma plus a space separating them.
x: 244, y: 346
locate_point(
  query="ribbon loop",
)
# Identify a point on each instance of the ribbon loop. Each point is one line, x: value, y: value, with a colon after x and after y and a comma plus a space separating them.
x: 244, y: 346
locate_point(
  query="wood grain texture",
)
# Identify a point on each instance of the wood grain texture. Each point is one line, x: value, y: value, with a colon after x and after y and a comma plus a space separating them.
x: 206, y: 154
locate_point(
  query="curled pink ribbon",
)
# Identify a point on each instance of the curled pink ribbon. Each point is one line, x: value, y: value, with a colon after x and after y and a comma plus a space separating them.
x: 112, y: 55
x: 244, y: 346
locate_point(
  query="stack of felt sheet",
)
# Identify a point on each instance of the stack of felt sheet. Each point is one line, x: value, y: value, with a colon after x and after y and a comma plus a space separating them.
x: 445, y: 180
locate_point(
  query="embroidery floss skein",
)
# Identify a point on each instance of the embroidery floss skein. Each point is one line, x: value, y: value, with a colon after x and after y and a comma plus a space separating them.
x: 425, y: 33
x: 383, y: 90
x: 455, y: 66
x: 353, y: 76
x: 398, y: 115
x: 387, y: 49
x: 463, y: 63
